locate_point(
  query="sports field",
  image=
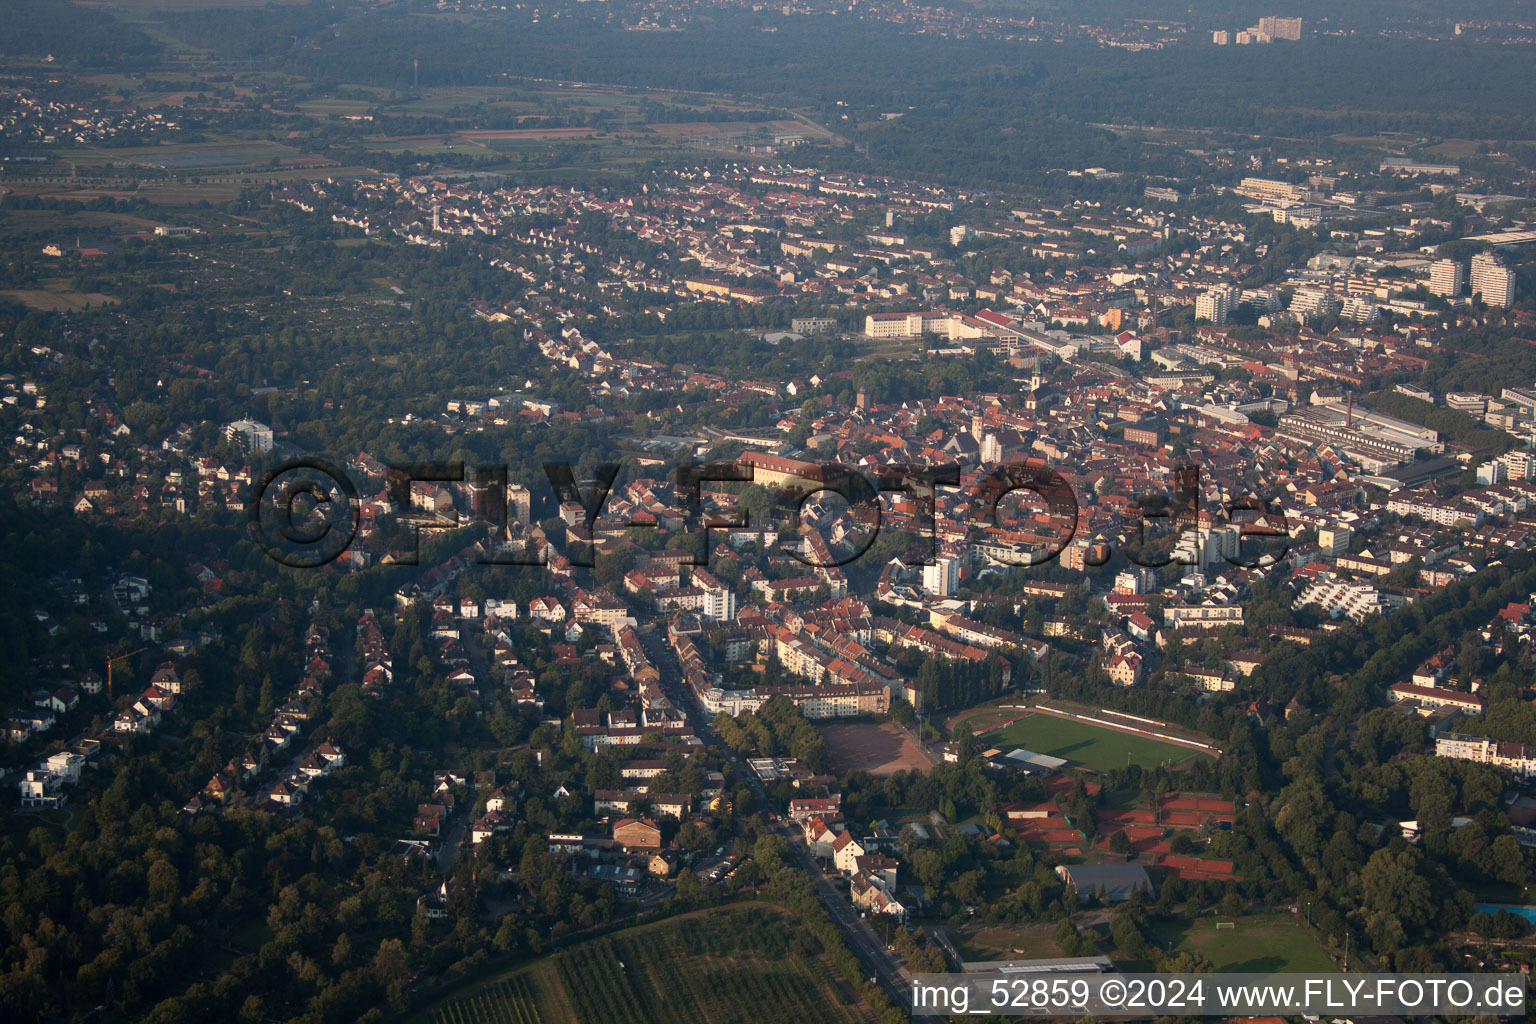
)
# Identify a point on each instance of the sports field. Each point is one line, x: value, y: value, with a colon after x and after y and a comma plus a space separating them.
x: 1275, y: 942
x: 881, y: 750
x: 745, y: 964
x: 1086, y: 745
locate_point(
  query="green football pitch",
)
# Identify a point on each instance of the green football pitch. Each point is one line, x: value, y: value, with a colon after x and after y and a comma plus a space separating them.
x: 1087, y: 745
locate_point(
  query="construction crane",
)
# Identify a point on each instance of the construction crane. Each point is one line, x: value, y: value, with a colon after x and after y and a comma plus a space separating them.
x: 119, y: 657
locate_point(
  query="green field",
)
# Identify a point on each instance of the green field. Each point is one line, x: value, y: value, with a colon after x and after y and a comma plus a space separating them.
x: 1256, y: 944
x: 1006, y: 942
x: 1086, y: 745
x: 737, y: 965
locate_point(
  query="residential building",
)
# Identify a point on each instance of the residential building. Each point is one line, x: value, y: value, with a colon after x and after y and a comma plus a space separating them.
x: 1215, y: 304
x: 1493, y: 280
x: 1446, y: 278
x: 41, y: 789
x: 1513, y: 757
x: 812, y: 324
x: 637, y: 834
x: 1430, y: 697
x: 845, y: 852
x: 942, y: 577
x: 255, y: 436
x: 1280, y: 28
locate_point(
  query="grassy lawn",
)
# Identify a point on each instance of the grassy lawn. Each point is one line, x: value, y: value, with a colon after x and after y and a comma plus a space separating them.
x: 1086, y: 745
x: 742, y: 964
x: 1022, y: 942
x: 1122, y: 800
x: 1274, y: 942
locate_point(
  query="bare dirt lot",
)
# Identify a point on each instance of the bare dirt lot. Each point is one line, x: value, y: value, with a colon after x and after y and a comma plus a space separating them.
x: 877, y: 749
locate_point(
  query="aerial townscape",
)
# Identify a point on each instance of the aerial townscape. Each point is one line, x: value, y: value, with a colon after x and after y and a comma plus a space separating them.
x: 687, y: 510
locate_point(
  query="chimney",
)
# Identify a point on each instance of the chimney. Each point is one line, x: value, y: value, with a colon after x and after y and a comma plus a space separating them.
x: 1349, y: 416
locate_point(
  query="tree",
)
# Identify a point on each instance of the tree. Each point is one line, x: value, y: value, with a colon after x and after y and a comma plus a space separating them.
x: 509, y: 934
x: 769, y: 852
x: 421, y: 931
x: 392, y: 971
x: 1187, y: 962
x: 1127, y: 934
x: 964, y: 742
x: 689, y: 890
x: 1509, y: 860
x: 929, y: 869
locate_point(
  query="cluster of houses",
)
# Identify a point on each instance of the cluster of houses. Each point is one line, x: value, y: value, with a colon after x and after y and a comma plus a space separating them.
x: 47, y: 703
x: 868, y: 862
x: 501, y: 806
x: 452, y: 654
x: 431, y: 820
x: 1060, y: 419
x: 25, y: 115
x: 433, y: 815
x: 683, y: 212
x: 278, y: 740
x: 158, y: 699
x: 377, y: 666
x: 635, y: 821
x: 1430, y: 694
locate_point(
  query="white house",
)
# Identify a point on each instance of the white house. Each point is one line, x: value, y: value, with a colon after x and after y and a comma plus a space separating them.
x: 845, y: 853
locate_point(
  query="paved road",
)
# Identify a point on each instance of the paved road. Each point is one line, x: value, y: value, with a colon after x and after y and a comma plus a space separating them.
x: 878, y: 962
x: 448, y: 853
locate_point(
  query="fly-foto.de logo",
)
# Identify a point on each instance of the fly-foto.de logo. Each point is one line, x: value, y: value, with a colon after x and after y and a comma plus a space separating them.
x: 307, y: 512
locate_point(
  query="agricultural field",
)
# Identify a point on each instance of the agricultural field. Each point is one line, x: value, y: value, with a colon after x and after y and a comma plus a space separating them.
x: 69, y: 221
x: 56, y: 299
x: 736, y: 965
x: 1087, y: 745
x: 513, y: 999
x: 1274, y: 942
x: 191, y: 156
